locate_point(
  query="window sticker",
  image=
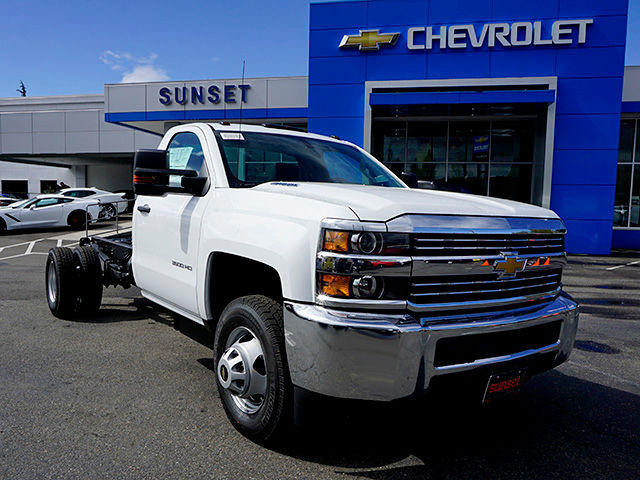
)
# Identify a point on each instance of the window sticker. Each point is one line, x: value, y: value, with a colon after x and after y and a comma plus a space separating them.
x: 179, y: 157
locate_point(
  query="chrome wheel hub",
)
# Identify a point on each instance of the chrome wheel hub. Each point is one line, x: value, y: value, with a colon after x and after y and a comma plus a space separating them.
x: 242, y: 370
x: 52, y: 287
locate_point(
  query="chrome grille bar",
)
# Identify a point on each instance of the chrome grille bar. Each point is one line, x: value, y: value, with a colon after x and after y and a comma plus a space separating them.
x: 444, y: 245
x: 496, y: 290
x: 483, y: 282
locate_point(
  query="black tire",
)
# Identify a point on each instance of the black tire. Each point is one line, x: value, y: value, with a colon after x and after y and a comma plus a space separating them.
x: 77, y: 220
x: 3, y: 226
x: 61, y: 283
x: 263, y: 317
x: 89, y: 273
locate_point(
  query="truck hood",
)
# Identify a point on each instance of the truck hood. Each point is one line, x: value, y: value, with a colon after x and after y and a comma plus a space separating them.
x: 371, y: 203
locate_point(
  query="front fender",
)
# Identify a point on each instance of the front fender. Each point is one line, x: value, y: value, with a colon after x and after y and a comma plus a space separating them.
x: 278, y: 230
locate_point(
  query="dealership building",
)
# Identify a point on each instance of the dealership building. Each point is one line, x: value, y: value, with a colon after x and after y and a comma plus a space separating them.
x: 529, y: 101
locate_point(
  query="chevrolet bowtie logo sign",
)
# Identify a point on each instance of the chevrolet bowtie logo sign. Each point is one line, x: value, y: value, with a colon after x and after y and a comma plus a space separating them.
x: 510, y: 265
x: 368, y: 40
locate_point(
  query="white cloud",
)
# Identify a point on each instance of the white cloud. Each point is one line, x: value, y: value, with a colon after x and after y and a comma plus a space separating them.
x: 134, y: 69
x: 145, y: 73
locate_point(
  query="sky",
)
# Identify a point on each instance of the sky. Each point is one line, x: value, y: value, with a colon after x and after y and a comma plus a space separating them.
x: 75, y: 47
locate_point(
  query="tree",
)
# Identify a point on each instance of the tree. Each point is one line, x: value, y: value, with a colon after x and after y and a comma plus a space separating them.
x: 22, y: 90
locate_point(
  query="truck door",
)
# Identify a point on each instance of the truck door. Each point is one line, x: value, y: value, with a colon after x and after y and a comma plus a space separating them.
x: 166, y: 231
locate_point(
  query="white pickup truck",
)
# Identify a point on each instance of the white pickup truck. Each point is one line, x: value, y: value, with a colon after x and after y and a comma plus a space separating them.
x: 318, y: 270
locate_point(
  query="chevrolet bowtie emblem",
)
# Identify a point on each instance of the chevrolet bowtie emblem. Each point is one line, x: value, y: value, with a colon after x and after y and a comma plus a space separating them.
x: 369, y: 40
x: 510, y: 265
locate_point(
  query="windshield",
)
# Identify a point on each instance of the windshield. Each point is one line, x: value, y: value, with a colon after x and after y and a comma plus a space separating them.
x: 253, y: 158
x: 22, y: 203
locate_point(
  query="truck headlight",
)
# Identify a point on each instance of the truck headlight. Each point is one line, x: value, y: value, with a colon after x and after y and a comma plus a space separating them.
x: 365, y: 243
x: 367, y: 287
x: 345, y: 286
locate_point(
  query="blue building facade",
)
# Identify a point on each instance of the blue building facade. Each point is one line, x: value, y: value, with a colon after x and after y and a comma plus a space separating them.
x: 520, y: 100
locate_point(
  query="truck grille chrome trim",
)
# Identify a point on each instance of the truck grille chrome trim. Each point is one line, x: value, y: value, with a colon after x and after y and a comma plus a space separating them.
x: 454, y: 245
x: 481, y: 304
x: 350, y: 264
x: 426, y: 294
x: 356, y: 303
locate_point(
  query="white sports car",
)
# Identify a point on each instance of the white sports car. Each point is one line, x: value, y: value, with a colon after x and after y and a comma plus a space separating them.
x: 92, y: 193
x: 49, y: 211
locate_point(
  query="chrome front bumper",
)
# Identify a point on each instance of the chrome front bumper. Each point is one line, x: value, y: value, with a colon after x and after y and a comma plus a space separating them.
x: 371, y: 356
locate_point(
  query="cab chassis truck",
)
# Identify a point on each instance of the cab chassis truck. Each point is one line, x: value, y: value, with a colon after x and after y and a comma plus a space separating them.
x: 317, y: 269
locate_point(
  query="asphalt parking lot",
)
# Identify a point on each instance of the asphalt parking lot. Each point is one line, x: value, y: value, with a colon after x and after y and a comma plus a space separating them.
x: 130, y: 394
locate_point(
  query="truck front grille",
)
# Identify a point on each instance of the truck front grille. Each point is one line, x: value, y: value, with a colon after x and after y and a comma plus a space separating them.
x: 440, y: 295
x: 468, y: 245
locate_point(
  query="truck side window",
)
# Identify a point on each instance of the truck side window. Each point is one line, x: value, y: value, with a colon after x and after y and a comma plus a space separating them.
x: 185, y: 153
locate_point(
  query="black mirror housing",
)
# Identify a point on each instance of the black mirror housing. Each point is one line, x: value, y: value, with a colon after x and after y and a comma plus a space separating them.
x: 194, y: 185
x: 156, y: 159
x: 150, y: 176
x: 411, y: 179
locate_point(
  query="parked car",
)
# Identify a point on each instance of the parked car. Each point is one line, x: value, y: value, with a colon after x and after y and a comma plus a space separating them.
x: 6, y: 199
x: 127, y: 195
x: 48, y: 211
x: 321, y: 271
x: 111, y: 201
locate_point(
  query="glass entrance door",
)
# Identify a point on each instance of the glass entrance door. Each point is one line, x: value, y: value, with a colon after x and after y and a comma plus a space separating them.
x: 499, y: 157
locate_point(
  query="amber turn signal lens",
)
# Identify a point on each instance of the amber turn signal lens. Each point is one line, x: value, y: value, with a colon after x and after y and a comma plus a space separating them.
x: 335, y: 285
x: 335, y: 241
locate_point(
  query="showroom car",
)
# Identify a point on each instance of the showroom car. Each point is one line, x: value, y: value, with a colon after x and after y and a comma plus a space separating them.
x: 111, y: 201
x: 49, y: 211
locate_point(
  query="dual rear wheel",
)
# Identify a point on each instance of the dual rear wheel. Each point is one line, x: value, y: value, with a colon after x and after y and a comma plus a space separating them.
x: 73, y: 282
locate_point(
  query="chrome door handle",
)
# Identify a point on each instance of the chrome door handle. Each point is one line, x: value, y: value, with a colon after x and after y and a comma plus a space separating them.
x: 144, y: 208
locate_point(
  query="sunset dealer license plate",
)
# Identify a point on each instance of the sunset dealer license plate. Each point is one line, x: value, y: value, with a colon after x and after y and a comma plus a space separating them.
x: 503, y: 384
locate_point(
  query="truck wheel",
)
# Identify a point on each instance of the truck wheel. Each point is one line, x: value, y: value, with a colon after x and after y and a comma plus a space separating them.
x: 251, y: 368
x: 89, y: 280
x: 77, y: 220
x: 61, y: 284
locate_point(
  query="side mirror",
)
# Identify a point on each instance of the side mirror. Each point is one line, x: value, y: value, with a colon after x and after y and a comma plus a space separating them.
x: 411, y: 179
x: 194, y: 185
x: 150, y: 176
x: 151, y: 173
x: 32, y: 207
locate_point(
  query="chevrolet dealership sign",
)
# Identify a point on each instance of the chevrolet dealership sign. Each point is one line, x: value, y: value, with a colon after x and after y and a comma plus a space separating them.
x: 516, y: 34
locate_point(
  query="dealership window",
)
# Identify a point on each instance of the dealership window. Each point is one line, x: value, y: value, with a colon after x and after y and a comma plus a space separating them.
x: 17, y: 188
x: 48, y: 186
x: 493, y: 157
x: 626, y: 212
